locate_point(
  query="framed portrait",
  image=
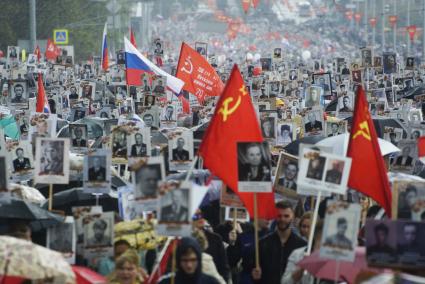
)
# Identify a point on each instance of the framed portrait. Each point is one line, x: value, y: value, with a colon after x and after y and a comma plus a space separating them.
x: 346, y: 104
x: 323, y: 171
x: 410, y: 63
x: 180, y: 151
x: 313, y: 122
x: 395, y: 243
x: 356, y: 76
x: 273, y: 88
x: 98, y: 234
x: 79, y: 136
x: 97, y: 171
x: 119, y: 145
x: 266, y: 64
x: 335, y: 128
x: 52, y: 161
x: 324, y: 81
x: 146, y: 181
x: 314, y: 96
x: 78, y: 212
x: 151, y: 118
x: 19, y: 94
x: 405, y: 159
x: 285, y: 182
x: 408, y: 200
x: 121, y: 57
x: 104, y: 112
x: 240, y: 214
x: 78, y: 113
x: 127, y: 204
x: 159, y: 85
x: 393, y: 134
x: 168, y: 114
x: 87, y: 90
x: 158, y: 47
x: 13, y: 56
x: 377, y: 61
x: 42, y: 125
x: 277, y: 54
x: 389, y: 62
x: 340, y: 230
x: 202, y: 48
x: 174, y: 211
x: 381, y: 242
x: 285, y: 133
x: 268, y: 126
x: 139, y: 143
x: 366, y: 57
x: 21, y: 159
x: 62, y: 238
x: 254, y: 167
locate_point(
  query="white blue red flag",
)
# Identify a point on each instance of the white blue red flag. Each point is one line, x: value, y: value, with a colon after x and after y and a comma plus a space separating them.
x: 137, y: 65
x: 105, y: 59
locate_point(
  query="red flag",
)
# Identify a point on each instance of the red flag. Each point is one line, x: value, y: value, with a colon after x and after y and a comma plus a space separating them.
x: 199, y: 76
x: 245, y: 5
x: 37, y: 52
x: 42, y: 103
x: 368, y: 173
x: 234, y: 121
x: 161, y: 268
x: 421, y: 149
x: 132, y: 38
x: 255, y: 3
x: 185, y: 104
x: 51, y: 50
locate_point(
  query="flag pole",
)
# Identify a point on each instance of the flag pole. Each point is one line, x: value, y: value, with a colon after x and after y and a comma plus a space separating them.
x: 313, y: 223
x: 173, y: 263
x: 257, y: 249
x: 50, y: 197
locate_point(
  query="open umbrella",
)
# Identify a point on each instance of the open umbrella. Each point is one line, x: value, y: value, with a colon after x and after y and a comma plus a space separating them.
x: 38, y: 218
x: 329, y: 269
x: 87, y: 276
x: 25, y: 259
x: 294, y: 147
x: 67, y: 199
x: 339, y: 145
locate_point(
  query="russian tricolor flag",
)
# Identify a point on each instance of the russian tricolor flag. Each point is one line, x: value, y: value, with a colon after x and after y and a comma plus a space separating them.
x: 137, y: 64
x: 105, y: 60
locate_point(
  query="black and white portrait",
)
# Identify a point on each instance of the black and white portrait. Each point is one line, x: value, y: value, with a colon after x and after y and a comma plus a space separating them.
x: 410, y: 63
x: 254, y: 166
x: 286, y: 174
x: 78, y: 113
x: 78, y: 135
x: 147, y: 178
x: 22, y: 157
x: 18, y: 93
x: 158, y: 86
x: 121, y: 57
x: 277, y: 53
x: 293, y: 75
x: 169, y: 113
x: 345, y: 103
x: 390, y: 63
x: 151, y: 118
x: 201, y: 48
x: 285, y: 133
x: 323, y: 81
x: 52, y: 160
x: 268, y: 127
x: 180, y: 149
x: 313, y: 96
x: 139, y: 144
x: 98, y: 230
x: 87, y: 90
x: 366, y: 57
x: 119, y: 144
x: 158, y: 48
x: 174, y: 206
x: 335, y: 128
x: 340, y: 231
x: 405, y: 159
x: 409, y: 198
x: 381, y: 243
x: 313, y: 122
x: 61, y: 238
x: 97, y: 171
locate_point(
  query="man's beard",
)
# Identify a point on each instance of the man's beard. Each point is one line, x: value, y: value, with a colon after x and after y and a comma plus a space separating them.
x: 279, y: 227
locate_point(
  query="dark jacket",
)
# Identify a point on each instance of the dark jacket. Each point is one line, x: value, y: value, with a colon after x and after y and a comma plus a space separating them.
x: 182, y: 155
x: 274, y: 256
x: 181, y: 277
x: 217, y: 251
x: 141, y: 153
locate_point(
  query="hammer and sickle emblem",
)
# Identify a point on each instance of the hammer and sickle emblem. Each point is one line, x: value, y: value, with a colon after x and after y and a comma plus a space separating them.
x: 225, y: 110
x: 363, y: 131
x: 187, y: 63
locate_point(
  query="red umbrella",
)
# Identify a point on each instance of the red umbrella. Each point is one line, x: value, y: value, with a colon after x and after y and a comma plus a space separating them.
x: 84, y: 275
x: 323, y: 268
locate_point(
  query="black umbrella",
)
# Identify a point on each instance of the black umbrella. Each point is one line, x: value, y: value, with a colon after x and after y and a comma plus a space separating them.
x: 294, y: 147
x: 37, y: 217
x: 67, y: 199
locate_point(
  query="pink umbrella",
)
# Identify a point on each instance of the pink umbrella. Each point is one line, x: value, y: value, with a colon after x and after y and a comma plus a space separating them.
x: 87, y: 276
x: 329, y: 269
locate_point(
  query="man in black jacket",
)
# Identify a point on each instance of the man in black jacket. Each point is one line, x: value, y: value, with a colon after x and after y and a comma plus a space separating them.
x: 276, y: 247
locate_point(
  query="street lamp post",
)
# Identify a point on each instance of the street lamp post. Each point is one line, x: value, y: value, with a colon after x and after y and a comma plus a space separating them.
x: 33, y: 26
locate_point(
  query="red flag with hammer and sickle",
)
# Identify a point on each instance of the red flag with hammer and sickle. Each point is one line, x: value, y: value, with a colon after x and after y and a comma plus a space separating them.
x: 199, y: 77
x: 234, y: 121
x: 368, y: 174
